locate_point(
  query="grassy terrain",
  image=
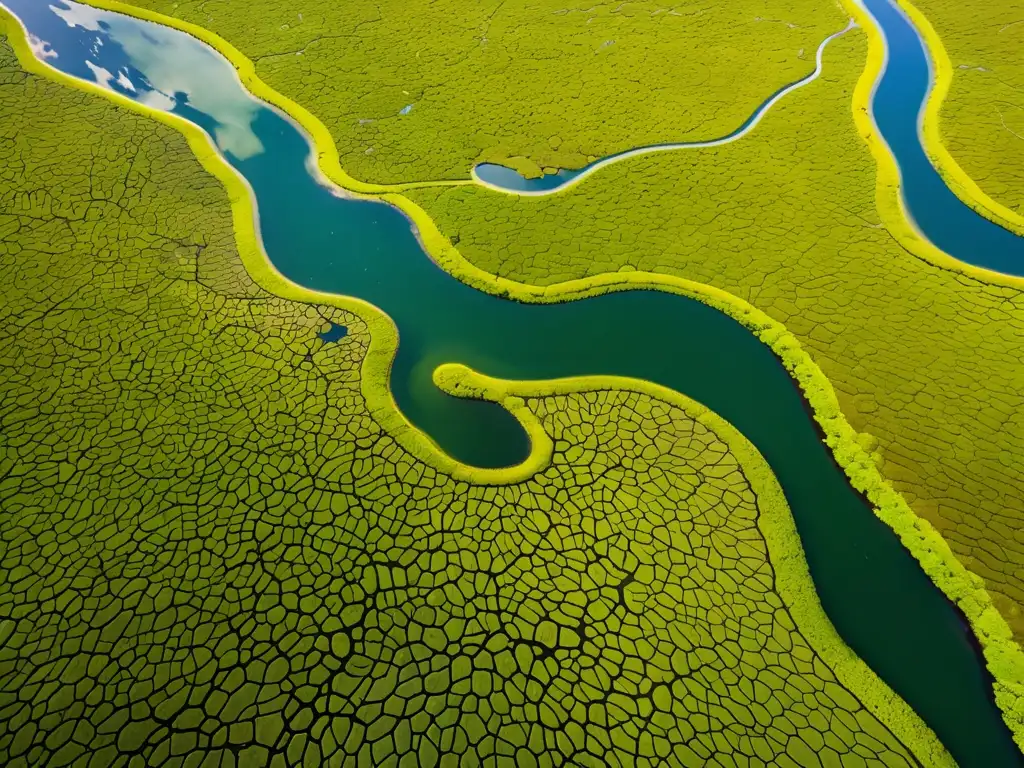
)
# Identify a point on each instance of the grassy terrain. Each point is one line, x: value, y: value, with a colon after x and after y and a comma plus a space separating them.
x: 547, y: 82
x: 209, y: 548
x: 925, y: 360
x: 982, y: 119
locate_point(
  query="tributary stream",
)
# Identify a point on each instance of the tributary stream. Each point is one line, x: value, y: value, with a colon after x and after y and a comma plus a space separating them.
x: 876, y: 594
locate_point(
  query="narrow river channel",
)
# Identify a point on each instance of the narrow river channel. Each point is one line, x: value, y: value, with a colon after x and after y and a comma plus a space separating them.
x: 877, y: 596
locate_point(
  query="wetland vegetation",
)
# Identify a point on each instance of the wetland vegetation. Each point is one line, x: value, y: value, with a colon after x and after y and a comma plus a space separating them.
x: 311, y: 492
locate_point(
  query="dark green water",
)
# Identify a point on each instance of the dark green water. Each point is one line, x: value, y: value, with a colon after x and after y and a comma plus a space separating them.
x: 875, y: 593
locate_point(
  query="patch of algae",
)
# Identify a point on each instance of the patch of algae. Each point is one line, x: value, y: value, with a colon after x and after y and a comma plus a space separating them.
x: 212, y: 553
x: 981, y: 119
x: 925, y: 358
x: 534, y: 83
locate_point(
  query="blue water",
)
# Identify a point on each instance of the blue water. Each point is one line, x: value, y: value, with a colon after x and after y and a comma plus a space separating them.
x: 875, y: 593
x: 513, y: 181
x: 938, y: 213
x: 334, y: 333
x: 507, y: 178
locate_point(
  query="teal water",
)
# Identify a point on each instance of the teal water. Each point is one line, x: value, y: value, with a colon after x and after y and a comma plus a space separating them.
x: 875, y: 593
x: 334, y: 333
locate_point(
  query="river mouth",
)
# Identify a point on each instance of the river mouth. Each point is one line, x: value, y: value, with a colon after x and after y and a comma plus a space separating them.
x: 876, y: 594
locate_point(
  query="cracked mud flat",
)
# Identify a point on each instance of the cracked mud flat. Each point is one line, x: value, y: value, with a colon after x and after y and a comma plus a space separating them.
x: 65, y: 470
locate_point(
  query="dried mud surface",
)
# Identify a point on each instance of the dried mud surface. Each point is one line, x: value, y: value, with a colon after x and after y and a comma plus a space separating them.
x: 925, y: 360
x: 211, y: 554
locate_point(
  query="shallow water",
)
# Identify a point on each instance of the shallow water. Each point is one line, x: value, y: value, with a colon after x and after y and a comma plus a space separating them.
x: 938, y: 213
x: 876, y: 594
x: 509, y: 180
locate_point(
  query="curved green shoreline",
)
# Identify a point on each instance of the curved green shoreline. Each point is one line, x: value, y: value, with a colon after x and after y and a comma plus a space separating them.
x: 205, y: 533
x: 1004, y: 657
x: 887, y: 197
x: 955, y: 177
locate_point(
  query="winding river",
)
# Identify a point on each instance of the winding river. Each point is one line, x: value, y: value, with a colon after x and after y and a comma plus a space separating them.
x: 898, y: 107
x: 877, y: 596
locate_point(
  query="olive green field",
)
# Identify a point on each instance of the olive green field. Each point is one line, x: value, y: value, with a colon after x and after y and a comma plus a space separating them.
x: 215, y: 552
x: 924, y: 359
x: 212, y: 554
x: 543, y: 83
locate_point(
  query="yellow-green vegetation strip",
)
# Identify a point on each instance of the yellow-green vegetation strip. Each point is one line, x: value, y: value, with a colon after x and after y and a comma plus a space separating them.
x: 211, y: 550
x: 925, y: 358
x: 974, y: 123
x: 531, y: 83
x: 384, y: 337
x: 936, y: 469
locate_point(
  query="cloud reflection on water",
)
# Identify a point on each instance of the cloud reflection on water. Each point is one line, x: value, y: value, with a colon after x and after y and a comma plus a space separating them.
x: 40, y: 48
x: 174, y: 65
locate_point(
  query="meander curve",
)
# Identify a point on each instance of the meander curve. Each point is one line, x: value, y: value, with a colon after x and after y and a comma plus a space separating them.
x: 888, y: 198
x: 962, y: 185
x: 1005, y: 659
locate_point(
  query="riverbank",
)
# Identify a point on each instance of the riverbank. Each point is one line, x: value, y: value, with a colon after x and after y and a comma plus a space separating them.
x: 198, y: 507
x: 974, y: 122
x: 639, y: 279
x: 909, y: 346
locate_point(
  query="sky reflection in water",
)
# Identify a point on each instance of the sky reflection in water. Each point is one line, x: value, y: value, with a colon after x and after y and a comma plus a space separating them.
x: 154, y: 66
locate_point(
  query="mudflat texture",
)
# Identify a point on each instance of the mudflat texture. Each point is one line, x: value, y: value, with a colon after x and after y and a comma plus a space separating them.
x: 532, y: 82
x: 210, y: 554
x: 982, y: 119
x: 926, y: 361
